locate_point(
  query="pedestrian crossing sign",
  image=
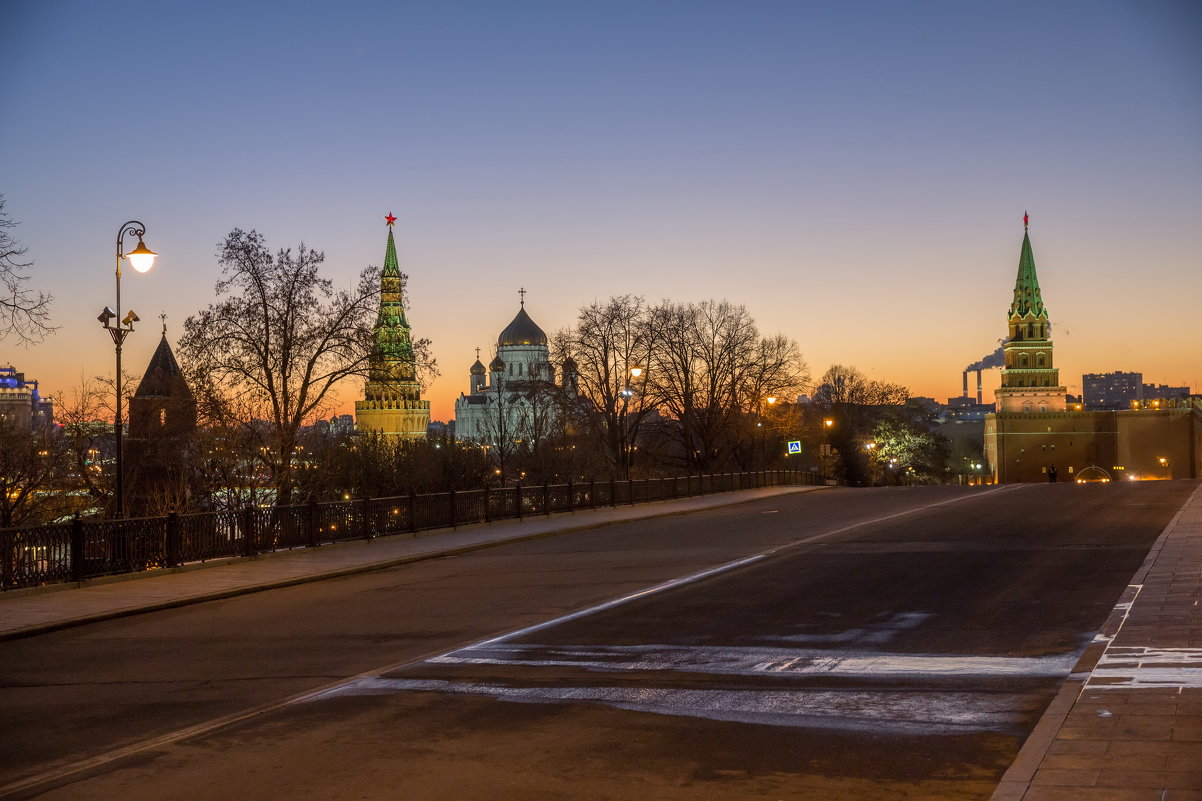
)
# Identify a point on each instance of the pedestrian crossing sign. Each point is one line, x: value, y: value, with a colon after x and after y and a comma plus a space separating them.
x: 795, y: 446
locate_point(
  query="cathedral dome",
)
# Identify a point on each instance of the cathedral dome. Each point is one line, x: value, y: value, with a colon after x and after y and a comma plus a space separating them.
x: 496, y: 364
x: 477, y: 368
x: 522, y: 331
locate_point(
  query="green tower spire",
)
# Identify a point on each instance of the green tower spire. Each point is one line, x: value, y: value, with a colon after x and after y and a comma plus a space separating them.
x: 1030, y: 380
x: 392, y: 401
x: 392, y: 331
x: 1027, y: 297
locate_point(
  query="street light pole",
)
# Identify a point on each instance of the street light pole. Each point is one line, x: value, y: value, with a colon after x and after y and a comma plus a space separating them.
x: 142, y: 259
x: 627, y: 394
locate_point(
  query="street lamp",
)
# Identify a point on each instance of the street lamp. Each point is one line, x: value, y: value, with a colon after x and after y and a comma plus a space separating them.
x: 627, y: 393
x: 141, y: 258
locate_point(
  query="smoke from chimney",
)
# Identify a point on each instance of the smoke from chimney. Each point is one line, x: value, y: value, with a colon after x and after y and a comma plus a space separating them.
x: 995, y: 359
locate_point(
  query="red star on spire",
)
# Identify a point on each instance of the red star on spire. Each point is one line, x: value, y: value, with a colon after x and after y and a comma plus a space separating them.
x: 390, y: 219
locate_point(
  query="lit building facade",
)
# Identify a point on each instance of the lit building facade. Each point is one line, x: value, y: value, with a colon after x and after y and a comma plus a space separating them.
x: 20, y: 404
x: 516, y: 398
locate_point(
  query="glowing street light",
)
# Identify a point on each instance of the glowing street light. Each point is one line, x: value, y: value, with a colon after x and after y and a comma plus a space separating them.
x: 141, y: 258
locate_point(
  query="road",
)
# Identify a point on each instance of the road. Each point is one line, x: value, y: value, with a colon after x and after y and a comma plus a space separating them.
x: 888, y: 643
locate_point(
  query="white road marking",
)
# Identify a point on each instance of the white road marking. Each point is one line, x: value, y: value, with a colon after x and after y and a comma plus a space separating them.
x: 877, y: 634
x: 915, y: 712
x: 1126, y: 668
x: 758, y: 661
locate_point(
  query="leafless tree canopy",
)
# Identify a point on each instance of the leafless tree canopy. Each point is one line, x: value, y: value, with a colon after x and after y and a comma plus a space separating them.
x: 31, y: 463
x: 713, y: 370
x: 24, y: 312
x: 607, y: 341
x: 706, y: 374
x: 266, y: 357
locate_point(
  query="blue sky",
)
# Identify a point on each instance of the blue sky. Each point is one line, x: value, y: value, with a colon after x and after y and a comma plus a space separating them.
x: 855, y: 173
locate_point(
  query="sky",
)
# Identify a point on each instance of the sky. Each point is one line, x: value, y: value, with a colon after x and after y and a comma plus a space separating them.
x: 854, y: 173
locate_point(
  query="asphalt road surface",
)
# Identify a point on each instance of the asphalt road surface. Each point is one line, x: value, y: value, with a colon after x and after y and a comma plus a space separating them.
x: 843, y: 644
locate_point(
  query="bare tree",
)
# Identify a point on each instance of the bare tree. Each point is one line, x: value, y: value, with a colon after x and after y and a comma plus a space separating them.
x: 88, y: 437
x: 30, y: 465
x: 498, y: 428
x: 271, y: 351
x: 24, y: 312
x: 610, y: 340
x: 713, y: 370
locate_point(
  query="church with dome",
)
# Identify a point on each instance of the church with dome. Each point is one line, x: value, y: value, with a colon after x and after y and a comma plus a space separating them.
x: 515, y: 398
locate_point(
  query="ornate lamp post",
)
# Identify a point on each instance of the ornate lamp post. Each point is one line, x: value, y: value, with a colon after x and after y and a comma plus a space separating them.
x: 141, y: 258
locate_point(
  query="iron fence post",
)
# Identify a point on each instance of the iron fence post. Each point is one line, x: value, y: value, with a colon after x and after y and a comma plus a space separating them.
x: 546, y: 498
x: 451, y: 504
x: 249, y: 546
x: 312, y: 519
x: 77, y: 572
x: 613, y: 492
x: 367, y: 519
x: 171, y: 546
x: 592, y: 493
x: 487, y: 509
x: 517, y: 491
x: 8, y: 541
x: 412, y: 511
x: 571, y: 497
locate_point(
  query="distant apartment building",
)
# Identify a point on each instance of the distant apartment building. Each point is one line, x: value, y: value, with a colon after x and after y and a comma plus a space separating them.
x: 1162, y: 391
x: 1111, y: 390
x: 20, y: 403
x: 1119, y: 390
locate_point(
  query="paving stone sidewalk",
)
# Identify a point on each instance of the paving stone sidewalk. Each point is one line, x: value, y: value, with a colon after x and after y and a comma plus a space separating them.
x: 1127, y: 725
x: 24, y: 613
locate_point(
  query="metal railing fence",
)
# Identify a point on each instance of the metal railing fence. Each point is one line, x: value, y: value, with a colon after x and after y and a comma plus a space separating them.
x: 83, y: 549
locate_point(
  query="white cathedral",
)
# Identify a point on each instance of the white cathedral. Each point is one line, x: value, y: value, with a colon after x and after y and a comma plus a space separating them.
x: 519, y: 401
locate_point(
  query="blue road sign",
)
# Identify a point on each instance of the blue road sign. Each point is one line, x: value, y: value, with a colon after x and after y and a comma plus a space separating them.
x: 795, y: 446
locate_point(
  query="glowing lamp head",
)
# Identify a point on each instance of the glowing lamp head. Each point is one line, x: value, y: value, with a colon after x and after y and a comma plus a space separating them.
x: 828, y: 422
x: 636, y: 371
x: 771, y: 400
x: 141, y: 258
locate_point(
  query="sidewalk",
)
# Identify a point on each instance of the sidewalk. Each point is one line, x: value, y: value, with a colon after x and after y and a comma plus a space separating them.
x: 1127, y: 725
x: 23, y: 613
